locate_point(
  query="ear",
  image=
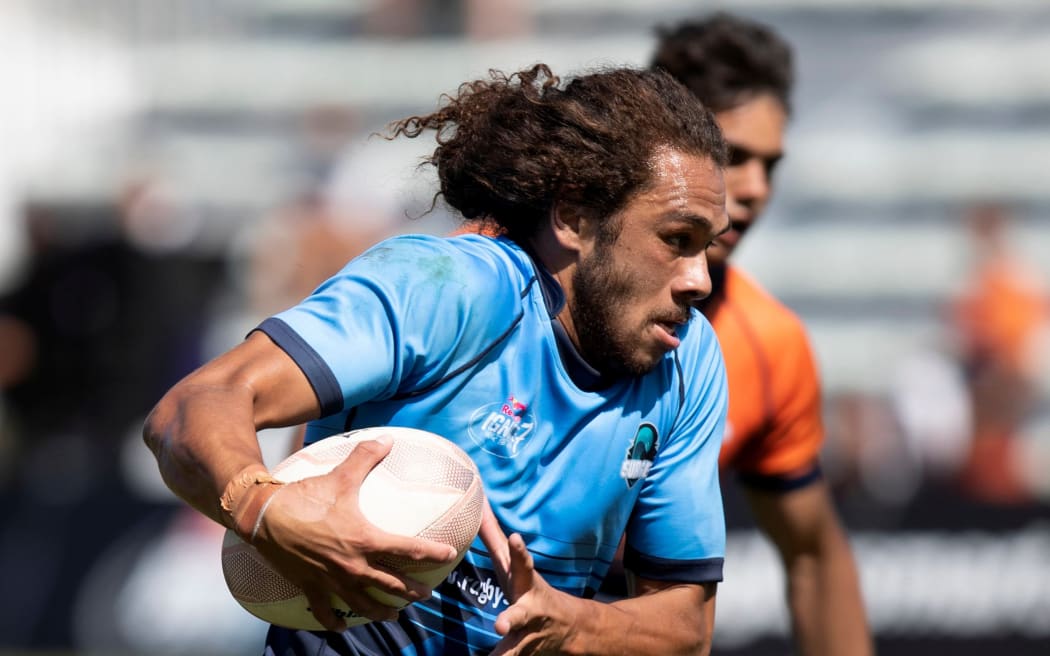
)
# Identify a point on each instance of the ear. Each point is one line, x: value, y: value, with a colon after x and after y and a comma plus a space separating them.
x: 570, y: 225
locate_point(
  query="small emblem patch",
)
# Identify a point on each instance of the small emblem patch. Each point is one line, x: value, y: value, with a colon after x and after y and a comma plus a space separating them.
x: 640, y: 454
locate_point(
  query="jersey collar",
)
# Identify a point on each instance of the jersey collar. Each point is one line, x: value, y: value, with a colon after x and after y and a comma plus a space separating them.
x: 582, y: 374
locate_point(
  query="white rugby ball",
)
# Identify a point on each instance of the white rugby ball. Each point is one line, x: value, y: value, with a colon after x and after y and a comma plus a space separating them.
x: 425, y: 487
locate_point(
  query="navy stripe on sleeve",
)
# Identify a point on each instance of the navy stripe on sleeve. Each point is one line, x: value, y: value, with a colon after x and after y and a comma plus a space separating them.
x: 704, y: 570
x: 317, y: 371
x: 782, y: 483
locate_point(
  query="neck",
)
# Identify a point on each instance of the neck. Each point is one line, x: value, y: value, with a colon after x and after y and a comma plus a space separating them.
x: 561, y: 264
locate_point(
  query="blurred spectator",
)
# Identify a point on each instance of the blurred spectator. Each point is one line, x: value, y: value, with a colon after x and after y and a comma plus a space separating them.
x: 106, y: 317
x: 386, y: 187
x: 476, y: 19
x: 322, y: 134
x: 298, y: 248
x: 301, y: 244
x: 17, y: 351
x: 998, y: 321
x: 932, y: 403
x: 870, y: 465
x: 110, y: 312
x: 497, y: 19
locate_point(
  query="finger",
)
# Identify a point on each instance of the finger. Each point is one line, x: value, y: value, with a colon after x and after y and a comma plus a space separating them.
x: 414, y: 549
x: 522, y: 571
x: 398, y: 584
x: 354, y: 590
x: 495, y: 541
x: 321, y: 607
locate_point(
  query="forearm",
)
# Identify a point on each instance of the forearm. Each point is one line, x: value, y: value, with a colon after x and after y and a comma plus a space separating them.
x: 203, y: 436
x: 203, y: 432
x: 827, y: 610
x: 676, y: 620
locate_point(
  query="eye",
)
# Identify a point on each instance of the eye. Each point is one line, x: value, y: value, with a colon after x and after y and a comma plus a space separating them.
x: 770, y: 165
x: 679, y: 242
x: 738, y: 156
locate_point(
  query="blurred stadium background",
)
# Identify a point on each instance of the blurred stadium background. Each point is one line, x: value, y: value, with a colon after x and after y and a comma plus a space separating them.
x: 174, y: 170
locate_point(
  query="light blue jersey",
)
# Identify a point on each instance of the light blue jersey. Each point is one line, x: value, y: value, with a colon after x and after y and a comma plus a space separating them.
x: 456, y: 336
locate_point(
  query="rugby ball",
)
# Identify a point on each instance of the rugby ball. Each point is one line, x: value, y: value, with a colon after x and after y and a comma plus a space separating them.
x: 426, y: 487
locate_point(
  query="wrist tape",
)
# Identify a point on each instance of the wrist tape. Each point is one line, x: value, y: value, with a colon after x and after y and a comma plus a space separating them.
x: 243, y: 510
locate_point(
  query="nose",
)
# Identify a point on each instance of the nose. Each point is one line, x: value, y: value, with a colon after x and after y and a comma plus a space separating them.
x: 693, y: 282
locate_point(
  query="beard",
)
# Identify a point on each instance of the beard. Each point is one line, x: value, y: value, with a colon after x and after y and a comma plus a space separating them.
x: 601, y: 295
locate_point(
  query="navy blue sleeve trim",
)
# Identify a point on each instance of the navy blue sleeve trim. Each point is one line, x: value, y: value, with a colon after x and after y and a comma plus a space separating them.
x: 321, y: 378
x: 782, y: 483
x: 704, y: 570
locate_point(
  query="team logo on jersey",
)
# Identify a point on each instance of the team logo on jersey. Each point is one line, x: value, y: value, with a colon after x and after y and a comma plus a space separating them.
x: 640, y: 454
x: 501, y: 428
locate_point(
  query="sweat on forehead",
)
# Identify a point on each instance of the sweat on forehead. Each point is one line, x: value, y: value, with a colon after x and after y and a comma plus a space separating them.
x: 668, y: 163
x: 672, y: 168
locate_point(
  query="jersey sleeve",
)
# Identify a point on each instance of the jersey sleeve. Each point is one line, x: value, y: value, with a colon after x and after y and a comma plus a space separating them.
x: 677, y: 529
x: 785, y: 456
x: 400, y: 317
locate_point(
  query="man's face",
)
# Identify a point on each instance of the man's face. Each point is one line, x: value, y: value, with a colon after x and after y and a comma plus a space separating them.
x: 754, y: 131
x: 633, y: 289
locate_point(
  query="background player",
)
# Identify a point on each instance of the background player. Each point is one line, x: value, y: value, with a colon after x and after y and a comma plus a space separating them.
x: 743, y: 72
x: 609, y: 191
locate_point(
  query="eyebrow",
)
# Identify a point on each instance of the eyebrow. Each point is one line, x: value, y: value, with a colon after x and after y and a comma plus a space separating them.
x: 700, y: 220
x: 771, y: 158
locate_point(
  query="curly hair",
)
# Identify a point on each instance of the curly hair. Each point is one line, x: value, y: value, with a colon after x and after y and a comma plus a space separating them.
x: 512, y: 146
x: 726, y: 60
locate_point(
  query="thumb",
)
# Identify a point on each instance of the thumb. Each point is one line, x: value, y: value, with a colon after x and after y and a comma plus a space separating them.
x: 510, y: 619
x: 363, y: 458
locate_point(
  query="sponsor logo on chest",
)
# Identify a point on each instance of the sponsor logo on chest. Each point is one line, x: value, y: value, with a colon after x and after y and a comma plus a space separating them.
x: 501, y: 428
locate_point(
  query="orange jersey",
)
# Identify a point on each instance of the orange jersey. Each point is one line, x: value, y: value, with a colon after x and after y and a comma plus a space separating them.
x: 1002, y: 313
x: 774, y: 431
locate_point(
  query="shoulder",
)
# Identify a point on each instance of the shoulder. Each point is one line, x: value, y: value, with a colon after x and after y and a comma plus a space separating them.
x: 472, y: 266
x: 775, y: 391
x: 404, y: 315
x: 420, y: 285
x: 445, y: 256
